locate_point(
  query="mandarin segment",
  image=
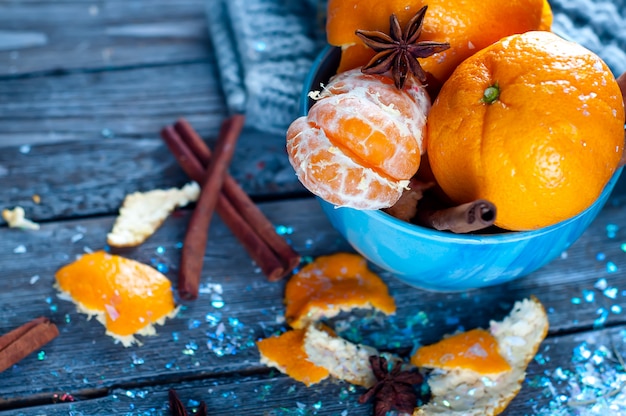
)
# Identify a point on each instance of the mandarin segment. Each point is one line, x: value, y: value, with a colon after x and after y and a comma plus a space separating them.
x: 286, y: 353
x: 468, y: 26
x: 127, y: 296
x: 331, y: 284
x: 476, y: 350
x: 361, y: 142
x: 543, y: 151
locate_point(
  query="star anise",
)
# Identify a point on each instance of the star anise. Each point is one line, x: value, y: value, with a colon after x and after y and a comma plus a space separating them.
x: 395, y: 388
x: 399, y: 50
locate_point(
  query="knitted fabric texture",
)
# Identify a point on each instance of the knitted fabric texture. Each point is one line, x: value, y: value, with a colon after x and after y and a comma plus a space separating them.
x: 265, y: 48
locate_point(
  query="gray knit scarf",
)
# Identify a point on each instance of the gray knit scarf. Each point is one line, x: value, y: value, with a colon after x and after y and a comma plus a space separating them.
x: 265, y: 48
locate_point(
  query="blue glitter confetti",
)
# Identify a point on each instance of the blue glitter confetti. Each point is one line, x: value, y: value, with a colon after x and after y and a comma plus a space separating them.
x: 623, y: 247
x: 610, y: 292
x: 216, y: 301
x: 136, y: 360
x: 616, y: 309
x: 25, y: 149
x: 581, y: 352
x: 600, y: 256
x: 601, y: 284
x: 284, y: 230
x: 41, y: 355
x: 162, y: 267
x: 178, y: 245
x: 589, y: 295
x: 193, y: 403
x: 190, y: 348
x: 576, y: 301
x: 175, y: 336
x: 601, y: 320
x: 611, y: 267
x: 611, y: 230
x: 160, y: 250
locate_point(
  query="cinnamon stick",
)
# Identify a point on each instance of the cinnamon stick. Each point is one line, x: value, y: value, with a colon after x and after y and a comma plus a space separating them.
x: 240, y: 200
x: 19, y: 343
x: 194, y: 246
x: 464, y: 218
x: 257, y: 249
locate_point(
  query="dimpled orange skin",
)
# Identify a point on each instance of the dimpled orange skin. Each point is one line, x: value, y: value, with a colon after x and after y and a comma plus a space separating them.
x: 476, y: 350
x: 340, y: 280
x: 287, y: 352
x: 361, y: 142
x: 467, y: 25
x: 140, y: 294
x: 544, y: 150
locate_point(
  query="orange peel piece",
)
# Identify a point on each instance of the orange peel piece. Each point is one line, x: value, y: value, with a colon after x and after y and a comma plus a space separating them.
x: 126, y: 296
x: 331, y: 284
x: 286, y: 353
x: 475, y: 350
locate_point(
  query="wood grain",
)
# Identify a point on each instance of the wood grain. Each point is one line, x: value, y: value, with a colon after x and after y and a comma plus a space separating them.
x: 61, y: 36
x: 271, y: 393
x: 95, y: 106
x: 254, y: 302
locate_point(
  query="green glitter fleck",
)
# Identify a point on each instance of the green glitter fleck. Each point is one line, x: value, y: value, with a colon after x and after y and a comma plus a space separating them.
x: 41, y: 355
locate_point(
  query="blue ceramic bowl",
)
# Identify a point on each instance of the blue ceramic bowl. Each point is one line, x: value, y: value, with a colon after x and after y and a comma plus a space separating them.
x: 443, y: 261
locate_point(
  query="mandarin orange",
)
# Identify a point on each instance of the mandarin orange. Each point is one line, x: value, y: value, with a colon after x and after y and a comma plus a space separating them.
x: 331, y: 284
x: 361, y: 142
x: 127, y: 296
x: 533, y: 123
x: 546, y: 17
x: 466, y: 25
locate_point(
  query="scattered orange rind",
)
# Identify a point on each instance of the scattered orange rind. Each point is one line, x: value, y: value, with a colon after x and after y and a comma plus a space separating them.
x: 331, y: 284
x: 286, y: 353
x: 467, y: 392
x: 476, y: 350
x: 126, y: 296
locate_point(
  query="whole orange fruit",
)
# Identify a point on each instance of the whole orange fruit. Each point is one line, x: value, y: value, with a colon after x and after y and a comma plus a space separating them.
x: 361, y: 142
x: 533, y: 123
x: 467, y: 25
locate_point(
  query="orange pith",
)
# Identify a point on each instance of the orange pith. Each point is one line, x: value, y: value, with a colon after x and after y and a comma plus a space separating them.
x: 546, y: 147
x: 467, y: 25
x: 334, y: 282
x: 475, y: 350
x: 361, y: 141
x: 131, y: 295
x: 286, y: 351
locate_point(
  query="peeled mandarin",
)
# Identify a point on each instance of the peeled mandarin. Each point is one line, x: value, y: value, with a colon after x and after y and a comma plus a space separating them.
x: 331, y: 284
x: 362, y: 140
x: 126, y: 295
x: 286, y: 353
x: 475, y: 350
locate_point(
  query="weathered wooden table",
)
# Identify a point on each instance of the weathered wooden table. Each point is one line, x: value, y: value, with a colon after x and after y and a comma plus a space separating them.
x: 85, y: 88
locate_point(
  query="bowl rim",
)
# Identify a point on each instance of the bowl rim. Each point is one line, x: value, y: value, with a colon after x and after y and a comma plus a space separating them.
x: 429, y: 233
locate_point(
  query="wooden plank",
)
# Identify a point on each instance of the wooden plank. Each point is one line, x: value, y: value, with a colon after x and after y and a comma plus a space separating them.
x: 560, y: 368
x: 131, y: 103
x: 83, y: 179
x: 42, y: 36
x: 186, y: 347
